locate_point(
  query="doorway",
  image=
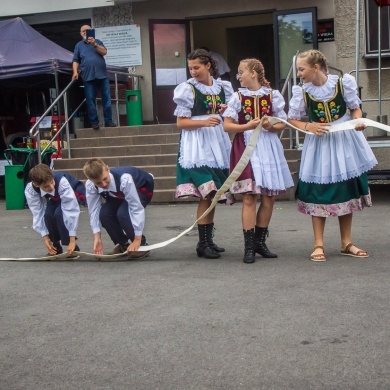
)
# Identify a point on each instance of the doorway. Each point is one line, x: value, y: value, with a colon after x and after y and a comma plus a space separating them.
x: 251, y: 42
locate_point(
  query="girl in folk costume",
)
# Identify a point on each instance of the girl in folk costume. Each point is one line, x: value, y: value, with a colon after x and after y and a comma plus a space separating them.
x: 332, y: 177
x: 203, y: 159
x: 267, y: 174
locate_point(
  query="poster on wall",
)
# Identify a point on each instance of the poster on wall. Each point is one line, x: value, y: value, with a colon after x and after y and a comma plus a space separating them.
x: 123, y: 44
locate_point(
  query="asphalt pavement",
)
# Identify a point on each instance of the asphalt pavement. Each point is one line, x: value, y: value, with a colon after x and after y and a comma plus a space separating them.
x: 176, y: 321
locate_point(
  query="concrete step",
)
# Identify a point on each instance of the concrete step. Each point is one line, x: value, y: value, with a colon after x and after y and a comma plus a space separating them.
x: 155, y: 170
x: 122, y: 151
x: 152, y: 139
x: 127, y: 131
x: 135, y: 161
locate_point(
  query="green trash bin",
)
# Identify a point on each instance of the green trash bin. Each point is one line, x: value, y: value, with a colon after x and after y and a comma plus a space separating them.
x: 134, y: 107
x: 14, y: 187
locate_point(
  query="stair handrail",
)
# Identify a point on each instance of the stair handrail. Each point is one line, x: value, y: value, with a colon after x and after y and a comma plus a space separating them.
x: 36, y: 133
x: 287, y: 86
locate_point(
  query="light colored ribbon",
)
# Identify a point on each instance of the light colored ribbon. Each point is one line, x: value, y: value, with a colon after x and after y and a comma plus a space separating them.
x: 242, y: 163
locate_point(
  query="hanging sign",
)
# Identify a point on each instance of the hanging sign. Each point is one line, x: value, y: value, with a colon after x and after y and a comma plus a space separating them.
x: 123, y: 44
x: 325, y: 30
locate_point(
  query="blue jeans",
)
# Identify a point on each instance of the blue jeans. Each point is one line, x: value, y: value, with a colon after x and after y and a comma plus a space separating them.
x: 90, y: 91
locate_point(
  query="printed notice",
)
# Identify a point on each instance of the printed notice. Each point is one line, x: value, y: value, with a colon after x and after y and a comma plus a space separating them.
x: 123, y: 44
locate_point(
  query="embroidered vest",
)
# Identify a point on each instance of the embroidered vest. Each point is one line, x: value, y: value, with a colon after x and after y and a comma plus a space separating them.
x: 206, y: 104
x: 77, y: 186
x: 254, y: 107
x: 143, y: 181
x: 329, y: 111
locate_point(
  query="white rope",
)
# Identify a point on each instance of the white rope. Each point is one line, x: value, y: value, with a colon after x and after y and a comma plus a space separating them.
x: 242, y: 163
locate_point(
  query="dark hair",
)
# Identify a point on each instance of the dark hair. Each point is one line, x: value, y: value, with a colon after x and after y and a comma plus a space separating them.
x: 204, y: 58
x: 41, y: 174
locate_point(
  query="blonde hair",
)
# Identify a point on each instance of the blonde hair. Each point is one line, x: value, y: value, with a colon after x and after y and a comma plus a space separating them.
x: 41, y: 174
x: 94, y: 168
x: 257, y: 66
x: 313, y: 57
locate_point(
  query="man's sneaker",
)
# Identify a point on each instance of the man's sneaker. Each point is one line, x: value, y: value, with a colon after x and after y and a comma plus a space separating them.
x: 110, y: 124
x: 118, y: 249
x: 95, y: 126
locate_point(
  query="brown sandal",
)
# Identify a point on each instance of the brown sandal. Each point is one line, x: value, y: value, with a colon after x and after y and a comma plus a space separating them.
x: 318, y: 257
x: 347, y: 251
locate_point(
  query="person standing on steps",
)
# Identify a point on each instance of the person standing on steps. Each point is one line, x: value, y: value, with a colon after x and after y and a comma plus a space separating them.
x: 203, y: 160
x: 89, y: 63
x: 267, y: 173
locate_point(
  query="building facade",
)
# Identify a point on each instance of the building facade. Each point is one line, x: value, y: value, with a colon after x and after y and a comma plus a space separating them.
x: 272, y: 31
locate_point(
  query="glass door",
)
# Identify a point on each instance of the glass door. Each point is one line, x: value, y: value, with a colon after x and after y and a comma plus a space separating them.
x: 169, y: 47
x: 294, y: 30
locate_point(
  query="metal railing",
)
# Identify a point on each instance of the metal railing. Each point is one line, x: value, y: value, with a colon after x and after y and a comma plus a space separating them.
x: 35, y: 132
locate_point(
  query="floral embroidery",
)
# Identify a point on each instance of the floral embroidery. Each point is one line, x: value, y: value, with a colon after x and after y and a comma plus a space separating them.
x: 264, y: 107
x: 333, y: 210
x: 213, y: 104
x: 248, y: 110
x: 334, y: 111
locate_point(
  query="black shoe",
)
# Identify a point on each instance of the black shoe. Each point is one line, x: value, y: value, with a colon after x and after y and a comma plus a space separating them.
x: 111, y: 124
x: 95, y: 126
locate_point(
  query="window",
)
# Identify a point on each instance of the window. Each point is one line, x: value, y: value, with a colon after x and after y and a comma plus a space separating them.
x: 371, y: 29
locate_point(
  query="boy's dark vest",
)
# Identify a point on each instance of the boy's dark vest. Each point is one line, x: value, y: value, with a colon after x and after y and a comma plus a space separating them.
x: 254, y: 107
x: 329, y: 111
x: 206, y: 104
x: 143, y: 181
x: 77, y: 186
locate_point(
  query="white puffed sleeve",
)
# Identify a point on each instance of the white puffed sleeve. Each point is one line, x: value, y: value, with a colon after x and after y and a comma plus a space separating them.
x: 350, y: 91
x: 278, y: 104
x: 183, y: 96
x: 297, y: 107
x: 233, y: 107
x: 228, y: 88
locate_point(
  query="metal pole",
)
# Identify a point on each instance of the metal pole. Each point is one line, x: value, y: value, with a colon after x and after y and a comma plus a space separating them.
x: 357, y: 41
x: 379, y: 65
x: 117, y: 100
x: 67, y: 123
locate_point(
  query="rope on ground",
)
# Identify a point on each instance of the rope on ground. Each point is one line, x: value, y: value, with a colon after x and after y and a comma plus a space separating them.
x: 242, y: 163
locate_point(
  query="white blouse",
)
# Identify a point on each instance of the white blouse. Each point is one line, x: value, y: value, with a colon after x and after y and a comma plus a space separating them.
x: 324, y: 92
x: 184, y: 96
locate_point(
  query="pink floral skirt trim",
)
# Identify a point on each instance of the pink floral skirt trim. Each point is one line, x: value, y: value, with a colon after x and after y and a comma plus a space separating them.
x: 248, y: 186
x: 205, y: 191
x: 334, y: 210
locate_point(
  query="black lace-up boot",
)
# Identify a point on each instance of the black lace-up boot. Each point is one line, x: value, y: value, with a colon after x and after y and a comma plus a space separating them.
x: 203, y: 249
x: 260, y: 246
x: 249, y: 256
x: 210, y: 235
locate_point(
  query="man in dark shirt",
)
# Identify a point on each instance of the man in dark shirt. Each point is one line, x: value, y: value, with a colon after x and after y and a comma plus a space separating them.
x: 88, y: 59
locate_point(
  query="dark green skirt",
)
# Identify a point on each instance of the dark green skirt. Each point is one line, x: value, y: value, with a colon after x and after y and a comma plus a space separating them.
x: 334, y: 199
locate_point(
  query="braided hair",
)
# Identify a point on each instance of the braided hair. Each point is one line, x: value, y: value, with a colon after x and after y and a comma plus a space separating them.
x: 204, y: 57
x: 254, y: 64
x: 313, y: 57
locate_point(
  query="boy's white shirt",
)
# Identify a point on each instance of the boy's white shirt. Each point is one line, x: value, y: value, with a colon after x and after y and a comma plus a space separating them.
x: 69, y: 205
x: 127, y: 186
